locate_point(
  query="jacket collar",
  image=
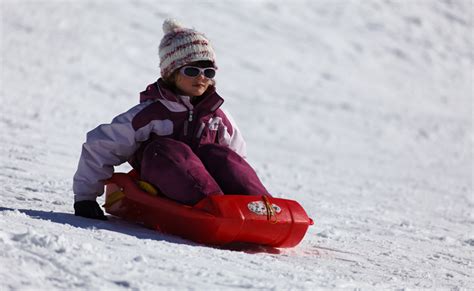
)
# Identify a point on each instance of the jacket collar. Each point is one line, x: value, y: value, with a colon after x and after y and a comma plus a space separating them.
x: 159, y: 90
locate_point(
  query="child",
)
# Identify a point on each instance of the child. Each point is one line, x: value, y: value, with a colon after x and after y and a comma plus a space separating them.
x: 177, y: 138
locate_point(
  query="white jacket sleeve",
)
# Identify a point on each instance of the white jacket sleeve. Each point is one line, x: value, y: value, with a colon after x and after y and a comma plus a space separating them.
x: 234, y: 141
x: 107, y: 145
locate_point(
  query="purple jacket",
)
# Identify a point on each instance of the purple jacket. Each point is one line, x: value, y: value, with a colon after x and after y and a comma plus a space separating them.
x: 160, y: 113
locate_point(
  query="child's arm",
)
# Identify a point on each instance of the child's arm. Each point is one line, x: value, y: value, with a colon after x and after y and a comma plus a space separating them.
x: 107, y: 145
x: 230, y: 135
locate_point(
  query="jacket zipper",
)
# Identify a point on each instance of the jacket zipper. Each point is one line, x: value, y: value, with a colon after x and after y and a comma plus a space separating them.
x: 187, y: 122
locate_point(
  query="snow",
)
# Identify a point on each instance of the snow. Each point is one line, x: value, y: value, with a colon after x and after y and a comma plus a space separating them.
x: 359, y: 110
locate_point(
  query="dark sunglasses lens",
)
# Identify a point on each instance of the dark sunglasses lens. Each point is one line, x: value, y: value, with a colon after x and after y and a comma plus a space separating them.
x: 191, y: 72
x: 210, y: 73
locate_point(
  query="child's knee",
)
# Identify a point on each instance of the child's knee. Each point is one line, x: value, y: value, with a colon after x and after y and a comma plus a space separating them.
x: 216, y: 151
x: 169, y: 148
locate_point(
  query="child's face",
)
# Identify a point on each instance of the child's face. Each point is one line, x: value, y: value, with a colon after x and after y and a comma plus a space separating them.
x: 192, y: 86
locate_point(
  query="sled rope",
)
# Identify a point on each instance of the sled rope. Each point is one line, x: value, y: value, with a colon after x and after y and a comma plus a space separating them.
x: 270, y: 211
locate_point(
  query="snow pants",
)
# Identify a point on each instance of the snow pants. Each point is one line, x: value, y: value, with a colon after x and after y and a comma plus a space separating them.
x: 187, y: 176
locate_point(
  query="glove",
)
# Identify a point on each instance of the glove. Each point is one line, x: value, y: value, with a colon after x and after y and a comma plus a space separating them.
x: 89, y: 209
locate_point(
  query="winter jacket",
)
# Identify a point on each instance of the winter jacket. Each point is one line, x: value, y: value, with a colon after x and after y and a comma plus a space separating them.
x: 160, y: 113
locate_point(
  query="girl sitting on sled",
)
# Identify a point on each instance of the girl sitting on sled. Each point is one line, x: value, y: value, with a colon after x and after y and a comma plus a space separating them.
x: 177, y: 138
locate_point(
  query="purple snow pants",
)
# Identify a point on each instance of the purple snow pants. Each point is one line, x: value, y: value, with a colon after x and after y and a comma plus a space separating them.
x: 187, y: 176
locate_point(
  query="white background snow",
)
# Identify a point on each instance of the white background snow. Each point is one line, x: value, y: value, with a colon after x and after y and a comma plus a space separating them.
x: 359, y: 110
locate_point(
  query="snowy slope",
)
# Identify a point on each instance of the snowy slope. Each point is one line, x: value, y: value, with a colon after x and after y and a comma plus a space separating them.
x: 359, y: 110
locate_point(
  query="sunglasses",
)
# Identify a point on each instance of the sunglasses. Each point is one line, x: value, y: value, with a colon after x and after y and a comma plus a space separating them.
x: 196, y: 71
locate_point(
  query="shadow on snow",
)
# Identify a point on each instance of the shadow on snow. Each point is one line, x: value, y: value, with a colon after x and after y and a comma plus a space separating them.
x: 118, y: 225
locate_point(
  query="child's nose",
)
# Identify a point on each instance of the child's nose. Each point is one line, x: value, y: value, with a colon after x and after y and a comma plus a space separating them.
x: 201, y: 76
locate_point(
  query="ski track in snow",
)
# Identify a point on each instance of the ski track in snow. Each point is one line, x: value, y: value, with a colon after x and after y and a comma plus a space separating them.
x: 361, y: 111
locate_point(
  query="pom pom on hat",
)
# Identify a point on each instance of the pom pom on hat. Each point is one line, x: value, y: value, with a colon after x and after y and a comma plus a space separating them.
x: 180, y: 46
x: 170, y: 25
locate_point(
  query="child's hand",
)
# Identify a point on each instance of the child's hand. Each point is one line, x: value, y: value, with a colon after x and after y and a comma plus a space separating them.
x: 89, y: 209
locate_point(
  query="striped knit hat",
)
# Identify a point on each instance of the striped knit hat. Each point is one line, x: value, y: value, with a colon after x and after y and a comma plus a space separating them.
x: 181, y: 46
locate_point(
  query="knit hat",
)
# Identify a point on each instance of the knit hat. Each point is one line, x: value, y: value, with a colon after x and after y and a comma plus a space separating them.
x: 181, y: 46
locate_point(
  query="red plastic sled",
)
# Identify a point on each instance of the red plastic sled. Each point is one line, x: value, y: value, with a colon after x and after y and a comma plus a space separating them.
x: 215, y: 220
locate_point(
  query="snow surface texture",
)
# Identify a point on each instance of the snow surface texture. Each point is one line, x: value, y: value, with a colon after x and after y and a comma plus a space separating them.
x: 359, y: 110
